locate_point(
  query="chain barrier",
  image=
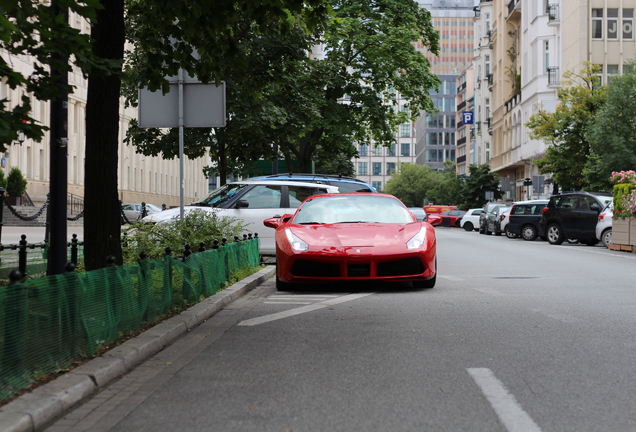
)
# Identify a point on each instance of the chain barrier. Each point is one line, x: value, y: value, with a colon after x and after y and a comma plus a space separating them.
x: 27, y: 218
x: 74, y: 218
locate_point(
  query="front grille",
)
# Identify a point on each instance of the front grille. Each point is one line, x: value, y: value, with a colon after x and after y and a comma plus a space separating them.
x: 309, y: 268
x: 359, y: 270
x: 410, y: 266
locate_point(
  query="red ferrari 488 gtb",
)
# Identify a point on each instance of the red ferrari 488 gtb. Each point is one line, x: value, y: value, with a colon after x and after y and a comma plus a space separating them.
x: 355, y: 237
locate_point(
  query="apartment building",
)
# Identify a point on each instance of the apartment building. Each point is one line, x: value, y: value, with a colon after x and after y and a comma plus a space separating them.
x: 465, y: 120
x: 523, y: 48
x: 140, y: 178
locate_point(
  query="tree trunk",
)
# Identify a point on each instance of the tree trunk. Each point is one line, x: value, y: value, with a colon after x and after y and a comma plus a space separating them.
x: 102, y: 228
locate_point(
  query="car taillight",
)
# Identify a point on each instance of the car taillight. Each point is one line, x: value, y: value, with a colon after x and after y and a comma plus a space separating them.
x: 544, y: 210
x: 501, y: 217
x: 601, y: 216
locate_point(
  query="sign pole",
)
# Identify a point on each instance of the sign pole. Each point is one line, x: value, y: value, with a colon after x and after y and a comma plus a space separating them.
x: 181, y: 132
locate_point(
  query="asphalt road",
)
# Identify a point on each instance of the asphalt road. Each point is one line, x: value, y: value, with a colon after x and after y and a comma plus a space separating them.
x: 516, y: 336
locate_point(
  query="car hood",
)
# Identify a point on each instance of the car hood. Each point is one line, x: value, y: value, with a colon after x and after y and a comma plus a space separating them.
x: 356, y: 234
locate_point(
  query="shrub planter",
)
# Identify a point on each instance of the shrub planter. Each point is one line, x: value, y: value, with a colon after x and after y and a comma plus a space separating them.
x: 622, y: 231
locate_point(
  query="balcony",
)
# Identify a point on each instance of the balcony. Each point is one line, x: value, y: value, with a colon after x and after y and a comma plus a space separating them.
x: 461, y: 87
x: 489, y: 78
x: 553, y: 15
x: 461, y: 106
x: 553, y: 76
x: 461, y: 141
x: 513, y: 101
x: 514, y: 10
x: 461, y: 159
x: 489, y: 123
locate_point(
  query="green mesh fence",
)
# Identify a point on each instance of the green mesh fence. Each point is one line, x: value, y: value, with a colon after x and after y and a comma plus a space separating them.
x: 46, y: 324
x: 36, y: 258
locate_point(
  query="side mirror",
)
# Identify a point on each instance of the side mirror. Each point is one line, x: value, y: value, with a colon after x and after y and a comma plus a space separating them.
x: 242, y: 204
x: 272, y: 222
x: 596, y: 208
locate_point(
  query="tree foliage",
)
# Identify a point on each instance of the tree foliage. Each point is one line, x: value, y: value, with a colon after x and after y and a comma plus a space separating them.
x: 413, y: 183
x: 613, y: 133
x: 566, y: 130
x: 480, y: 181
x: 449, y: 187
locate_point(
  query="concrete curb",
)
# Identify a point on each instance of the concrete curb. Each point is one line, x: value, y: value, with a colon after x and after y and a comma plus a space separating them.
x: 33, y: 410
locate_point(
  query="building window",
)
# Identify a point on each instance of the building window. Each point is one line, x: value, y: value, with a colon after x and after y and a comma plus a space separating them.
x: 390, y: 151
x: 364, y: 150
x: 363, y: 168
x: 612, y: 71
x: 377, y: 168
x: 390, y: 168
x: 377, y: 185
x: 546, y: 54
x: 405, y: 130
x: 449, y: 104
x: 597, y: 23
x: 405, y: 149
x: 628, y: 68
x: 376, y: 150
x: 612, y: 24
x: 628, y: 24
x: 599, y: 74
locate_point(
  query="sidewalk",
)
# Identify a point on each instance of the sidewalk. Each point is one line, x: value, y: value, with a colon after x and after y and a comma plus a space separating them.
x: 31, y: 411
x: 35, y: 234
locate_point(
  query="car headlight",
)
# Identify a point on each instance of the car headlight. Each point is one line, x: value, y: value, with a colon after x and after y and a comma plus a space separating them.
x: 296, y: 242
x: 418, y: 239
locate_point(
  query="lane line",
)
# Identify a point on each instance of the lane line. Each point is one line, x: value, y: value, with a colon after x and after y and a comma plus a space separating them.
x: 514, y: 418
x: 301, y: 310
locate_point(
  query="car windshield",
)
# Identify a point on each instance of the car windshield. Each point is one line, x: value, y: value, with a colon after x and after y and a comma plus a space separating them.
x: 152, y: 207
x: 352, y: 209
x: 220, y: 196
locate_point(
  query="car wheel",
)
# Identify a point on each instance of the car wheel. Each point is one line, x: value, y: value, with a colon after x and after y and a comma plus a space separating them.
x: 606, y: 237
x: 555, y: 234
x: 498, y: 232
x: 591, y: 242
x: 529, y: 232
x: 468, y: 226
x: 283, y: 286
x: 486, y: 230
x: 429, y: 283
x: 482, y: 229
x: 510, y: 234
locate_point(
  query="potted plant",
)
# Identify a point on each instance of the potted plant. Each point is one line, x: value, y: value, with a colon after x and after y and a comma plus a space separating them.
x: 16, y: 185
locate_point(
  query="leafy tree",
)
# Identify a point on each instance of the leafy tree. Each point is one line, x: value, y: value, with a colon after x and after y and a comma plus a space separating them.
x: 566, y: 130
x: 449, y: 188
x: 16, y: 183
x: 480, y: 181
x: 613, y: 133
x: 33, y: 29
x: 413, y: 183
x: 368, y: 56
x: 3, y: 180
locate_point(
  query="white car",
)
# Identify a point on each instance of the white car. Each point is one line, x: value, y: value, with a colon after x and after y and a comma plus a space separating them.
x: 470, y: 221
x: 504, y: 222
x: 604, y: 225
x: 251, y: 201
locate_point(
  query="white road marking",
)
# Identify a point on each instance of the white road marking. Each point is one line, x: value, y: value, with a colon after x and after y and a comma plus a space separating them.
x: 301, y: 310
x: 513, y: 417
x: 287, y: 302
x: 453, y: 278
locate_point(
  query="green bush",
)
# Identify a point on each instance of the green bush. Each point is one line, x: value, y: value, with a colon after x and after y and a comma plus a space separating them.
x: 3, y: 180
x: 16, y: 183
x: 195, y: 227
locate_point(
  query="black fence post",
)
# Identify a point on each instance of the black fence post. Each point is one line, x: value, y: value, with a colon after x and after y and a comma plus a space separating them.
x: 168, y: 288
x: 1, y: 211
x: 188, y: 291
x: 144, y: 285
x: 22, y: 255
x: 74, y: 249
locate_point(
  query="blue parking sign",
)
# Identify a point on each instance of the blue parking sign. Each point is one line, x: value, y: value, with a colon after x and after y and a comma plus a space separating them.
x: 467, y: 117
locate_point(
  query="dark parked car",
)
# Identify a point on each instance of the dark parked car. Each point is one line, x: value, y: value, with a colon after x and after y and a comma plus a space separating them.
x: 493, y: 219
x: 572, y: 215
x: 524, y: 219
x: 452, y: 218
x: 484, y: 216
x: 419, y: 213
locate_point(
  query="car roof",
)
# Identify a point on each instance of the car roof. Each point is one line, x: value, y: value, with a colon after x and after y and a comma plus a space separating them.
x: 335, y: 177
x: 284, y: 183
x: 537, y: 201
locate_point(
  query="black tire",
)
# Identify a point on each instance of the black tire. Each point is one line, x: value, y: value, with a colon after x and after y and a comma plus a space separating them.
x: 591, y: 242
x: 606, y: 237
x: 486, y: 230
x: 468, y: 226
x: 509, y: 234
x: 529, y: 233
x: 555, y: 234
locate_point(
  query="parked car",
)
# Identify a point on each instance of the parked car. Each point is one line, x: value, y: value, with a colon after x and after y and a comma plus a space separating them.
x: 434, y: 219
x: 470, y: 221
x: 344, y: 184
x: 435, y: 208
x: 484, y: 215
x: 505, y: 218
x: 353, y: 237
x: 524, y: 218
x: 419, y: 213
x: 573, y: 215
x: 493, y: 220
x: 133, y: 211
x: 251, y: 201
x: 451, y: 218
x: 604, y: 225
